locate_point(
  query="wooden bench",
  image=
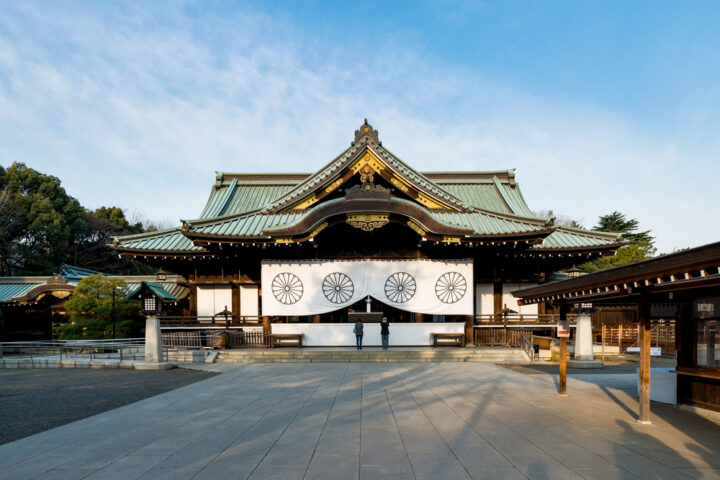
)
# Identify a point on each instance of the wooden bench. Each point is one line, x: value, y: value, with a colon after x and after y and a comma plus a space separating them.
x: 448, y: 339
x: 286, y: 339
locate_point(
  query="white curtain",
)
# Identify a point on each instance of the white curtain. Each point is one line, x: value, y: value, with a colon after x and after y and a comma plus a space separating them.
x: 314, y: 287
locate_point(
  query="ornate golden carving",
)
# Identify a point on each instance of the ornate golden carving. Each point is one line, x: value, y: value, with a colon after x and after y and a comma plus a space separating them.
x: 306, y: 203
x: 368, y: 221
x: 318, y: 229
x: 334, y: 185
x: 416, y: 226
x: 284, y: 240
x: 367, y: 159
x: 399, y: 184
x: 448, y: 239
x: 429, y: 202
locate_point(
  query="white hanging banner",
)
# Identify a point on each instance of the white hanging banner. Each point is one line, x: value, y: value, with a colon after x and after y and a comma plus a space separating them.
x: 439, y: 287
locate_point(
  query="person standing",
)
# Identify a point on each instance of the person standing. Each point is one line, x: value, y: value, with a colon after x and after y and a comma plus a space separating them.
x: 358, y: 333
x: 385, y: 332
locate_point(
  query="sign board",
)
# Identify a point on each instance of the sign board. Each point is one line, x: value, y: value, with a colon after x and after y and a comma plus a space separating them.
x: 563, y: 328
x: 654, y: 351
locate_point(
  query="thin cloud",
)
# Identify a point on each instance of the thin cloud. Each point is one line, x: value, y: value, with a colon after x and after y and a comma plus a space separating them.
x: 137, y: 108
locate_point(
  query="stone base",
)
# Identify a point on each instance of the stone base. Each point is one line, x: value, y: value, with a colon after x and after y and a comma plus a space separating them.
x: 154, y: 366
x: 700, y: 411
x: 585, y: 364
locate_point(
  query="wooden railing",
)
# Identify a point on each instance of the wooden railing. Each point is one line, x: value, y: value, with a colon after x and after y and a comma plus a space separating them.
x: 197, y: 339
x: 498, y: 336
x: 209, y: 321
x: 518, y: 319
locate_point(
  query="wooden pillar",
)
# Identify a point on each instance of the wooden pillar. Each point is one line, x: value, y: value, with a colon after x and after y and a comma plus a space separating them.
x: 562, y: 377
x: 267, y: 326
x: 620, y: 334
x: 193, y: 299
x: 469, y: 340
x: 644, y: 340
x: 316, y: 318
x: 235, y: 301
x: 497, y: 298
x: 418, y: 317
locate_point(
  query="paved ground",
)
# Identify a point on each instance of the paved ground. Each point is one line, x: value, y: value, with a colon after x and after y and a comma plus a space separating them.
x: 35, y: 400
x: 376, y: 421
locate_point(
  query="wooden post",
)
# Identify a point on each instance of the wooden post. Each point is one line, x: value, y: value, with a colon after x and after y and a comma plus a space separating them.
x: 267, y: 326
x: 644, y: 341
x: 602, y: 338
x: 418, y: 317
x: 316, y: 318
x: 469, y: 330
x: 562, y: 380
x: 620, y: 337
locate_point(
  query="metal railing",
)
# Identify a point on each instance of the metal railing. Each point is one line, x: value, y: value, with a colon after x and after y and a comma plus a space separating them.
x: 526, y: 343
x: 118, y: 349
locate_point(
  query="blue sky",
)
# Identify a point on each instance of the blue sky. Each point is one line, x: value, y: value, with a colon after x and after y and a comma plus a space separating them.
x: 600, y: 106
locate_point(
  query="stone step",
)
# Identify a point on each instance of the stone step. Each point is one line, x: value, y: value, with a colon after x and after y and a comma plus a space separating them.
x: 301, y: 355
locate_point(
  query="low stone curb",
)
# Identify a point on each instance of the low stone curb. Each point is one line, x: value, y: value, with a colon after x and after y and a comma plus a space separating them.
x: 81, y: 363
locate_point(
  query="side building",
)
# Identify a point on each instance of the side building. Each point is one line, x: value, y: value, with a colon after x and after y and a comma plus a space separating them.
x: 365, y: 233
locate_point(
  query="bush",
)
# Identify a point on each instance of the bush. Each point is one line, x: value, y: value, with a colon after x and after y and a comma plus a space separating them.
x: 99, y: 328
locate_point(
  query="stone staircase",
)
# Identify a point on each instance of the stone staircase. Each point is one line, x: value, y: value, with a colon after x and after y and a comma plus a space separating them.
x: 329, y: 355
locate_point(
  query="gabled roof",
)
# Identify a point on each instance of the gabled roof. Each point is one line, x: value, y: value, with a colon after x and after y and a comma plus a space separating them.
x: 260, y: 207
x: 157, y: 288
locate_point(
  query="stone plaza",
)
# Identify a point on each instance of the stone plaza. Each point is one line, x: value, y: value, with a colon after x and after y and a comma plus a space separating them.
x: 377, y: 421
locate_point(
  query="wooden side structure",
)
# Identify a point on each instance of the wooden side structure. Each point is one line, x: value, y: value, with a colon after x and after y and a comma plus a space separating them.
x: 686, y: 283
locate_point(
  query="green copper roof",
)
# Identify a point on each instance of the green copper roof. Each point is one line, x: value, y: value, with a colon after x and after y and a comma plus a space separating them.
x: 569, y: 237
x: 13, y: 287
x: 163, y: 240
x: 157, y: 288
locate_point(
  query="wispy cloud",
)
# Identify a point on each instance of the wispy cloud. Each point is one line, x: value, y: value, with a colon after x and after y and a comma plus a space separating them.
x: 138, y: 108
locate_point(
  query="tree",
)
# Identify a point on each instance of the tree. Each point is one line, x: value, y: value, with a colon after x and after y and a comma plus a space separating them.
x: 92, y: 307
x: 640, y: 246
x: 43, y: 221
x: 632, y: 253
x: 562, y: 220
x: 616, y: 222
x: 42, y: 227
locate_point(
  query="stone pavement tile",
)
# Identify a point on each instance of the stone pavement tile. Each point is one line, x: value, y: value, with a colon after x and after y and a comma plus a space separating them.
x: 437, y: 466
x: 426, y: 444
x: 576, y: 456
x: 276, y: 472
x: 480, y: 455
x: 340, y: 467
x: 645, y: 467
x: 605, y: 473
x: 229, y: 466
x: 32, y: 467
x: 385, y: 473
x: 381, y: 435
x: 493, y: 473
x: 702, y: 472
x: 392, y: 458
x: 337, y: 445
x: 126, y: 468
x: 65, y: 474
x: 298, y: 454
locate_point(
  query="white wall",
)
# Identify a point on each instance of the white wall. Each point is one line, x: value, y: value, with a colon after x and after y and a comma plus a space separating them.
x: 249, y: 304
x: 341, y: 334
x: 511, y: 301
x: 484, y: 299
x: 212, y: 299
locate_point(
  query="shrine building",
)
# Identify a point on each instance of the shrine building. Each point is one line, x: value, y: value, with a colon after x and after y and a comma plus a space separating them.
x: 365, y: 236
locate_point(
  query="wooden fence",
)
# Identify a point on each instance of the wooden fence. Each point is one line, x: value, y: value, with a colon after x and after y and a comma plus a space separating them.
x: 624, y: 336
x: 498, y: 336
x: 212, y: 339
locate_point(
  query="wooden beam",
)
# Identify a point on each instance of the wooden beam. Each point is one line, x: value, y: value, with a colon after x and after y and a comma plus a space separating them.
x: 469, y: 340
x: 644, y: 376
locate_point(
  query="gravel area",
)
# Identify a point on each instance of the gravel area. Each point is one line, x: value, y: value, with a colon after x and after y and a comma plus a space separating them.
x: 35, y: 400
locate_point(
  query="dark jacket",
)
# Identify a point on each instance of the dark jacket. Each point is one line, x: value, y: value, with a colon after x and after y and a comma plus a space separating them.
x: 384, y: 328
x: 359, y: 328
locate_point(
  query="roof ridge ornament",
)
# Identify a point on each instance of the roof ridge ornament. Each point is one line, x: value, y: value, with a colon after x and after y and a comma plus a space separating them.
x: 366, y: 134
